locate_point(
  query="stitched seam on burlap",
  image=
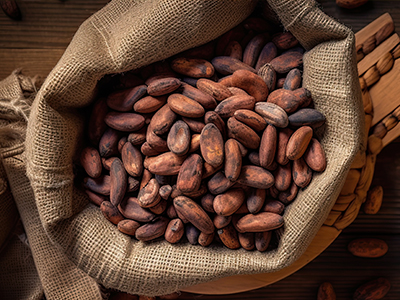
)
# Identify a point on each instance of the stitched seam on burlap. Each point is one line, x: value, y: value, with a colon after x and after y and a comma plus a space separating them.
x: 106, y: 43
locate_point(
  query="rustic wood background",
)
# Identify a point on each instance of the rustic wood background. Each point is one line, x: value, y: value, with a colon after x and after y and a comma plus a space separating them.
x: 36, y: 43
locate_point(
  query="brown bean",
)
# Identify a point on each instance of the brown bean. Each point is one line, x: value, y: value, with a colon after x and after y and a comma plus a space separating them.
x: 146, y: 176
x: 287, y: 61
x: 254, y: 158
x: 133, y: 185
x: 166, y: 163
x: 137, y: 138
x: 251, y: 119
x: 268, y: 144
x: 195, y: 125
x: 111, y: 212
x: 226, y: 81
x: 301, y: 173
x: 162, y: 120
x: 132, y: 160
x: 253, y: 49
x: 227, y: 65
x: 298, y: 142
x: 226, y: 108
x: 206, y: 100
x: 256, y: 177
x: 233, y: 160
x: 165, y: 191
x: 131, y: 209
x: 192, y: 233
x: 121, y: 143
x: 190, y: 174
x: 215, y: 89
x: 326, y: 292
x: 156, y: 142
x: 175, y: 230
x: 307, y: 117
x: 163, y: 86
x: 237, y: 91
x: 263, y: 221
x: 284, y: 40
x: 123, y: 100
x: 149, y: 104
x: 286, y: 99
x: 185, y: 106
x: 128, y: 227
x: 368, y: 247
x: 108, y: 145
x: 227, y: 203
x: 153, y: 230
x: 268, y: 74
x: 273, y: 206
x: 194, y: 143
x: 286, y: 197
x: 283, y: 177
x: 267, y: 53
x: 292, y: 80
x: 209, y: 170
x: 148, y: 150
x: 96, y: 124
x: 221, y: 221
x: 194, y: 213
x: 213, y: 117
x: 283, y: 138
x: 171, y: 212
x: 118, y: 182
x: 246, y: 240
x: 205, y: 240
x: 253, y: 84
x: 159, y: 208
x: 219, y: 184
x: 229, y: 237
x: 304, y: 95
x: 91, y: 162
x: 272, y: 113
x: 96, y: 198
x: 148, y: 196
x: 315, y: 156
x: 255, y: 201
x: 243, y: 133
x: 262, y: 240
x: 124, y: 121
x: 374, y: 200
x: 193, y: 67
x: 179, y: 138
x: 374, y: 289
x: 212, y: 145
x: 234, y: 50
x: 163, y: 74
x: 100, y: 185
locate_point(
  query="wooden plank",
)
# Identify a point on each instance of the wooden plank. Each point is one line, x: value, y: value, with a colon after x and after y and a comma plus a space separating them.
x: 46, y: 24
x: 236, y: 284
x: 385, y: 93
x: 372, y: 28
x: 32, y: 61
x: 373, y: 57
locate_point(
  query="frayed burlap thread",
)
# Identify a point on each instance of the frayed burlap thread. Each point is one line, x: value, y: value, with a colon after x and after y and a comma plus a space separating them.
x: 127, y: 35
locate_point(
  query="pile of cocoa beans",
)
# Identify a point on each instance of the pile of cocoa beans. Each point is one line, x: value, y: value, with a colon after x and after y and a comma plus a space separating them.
x: 211, y: 144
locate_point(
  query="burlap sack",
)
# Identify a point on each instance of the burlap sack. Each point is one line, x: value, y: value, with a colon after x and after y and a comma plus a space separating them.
x: 31, y: 266
x: 129, y: 34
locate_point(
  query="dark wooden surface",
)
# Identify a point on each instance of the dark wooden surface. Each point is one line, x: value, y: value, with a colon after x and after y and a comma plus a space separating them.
x: 37, y: 42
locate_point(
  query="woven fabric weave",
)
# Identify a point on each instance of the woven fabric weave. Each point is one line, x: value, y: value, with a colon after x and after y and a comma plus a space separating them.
x: 129, y: 34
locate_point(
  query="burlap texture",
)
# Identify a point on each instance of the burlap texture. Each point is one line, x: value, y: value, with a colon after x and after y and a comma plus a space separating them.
x: 31, y: 265
x: 129, y: 34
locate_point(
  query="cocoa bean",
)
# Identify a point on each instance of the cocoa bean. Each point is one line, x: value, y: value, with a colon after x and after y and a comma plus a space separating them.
x: 251, y: 119
x: 227, y: 203
x: 163, y: 86
x: 185, y: 106
x: 124, y: 100
x: 253, y: 84
x: 368, y: 247
x: 233, y: 160
x: 226, y: 108
x: 215, y: 89
x: 374, y: 289
x: 190, y: 174
x: 128, y: 227
x: 111, y: 212
x: 175, y: 230
x: 91, y: 162
x: 298, y: 142
x: 272, y: 113
x: 193, y: 67
x: 132, y: 160
x: 179, y: 138
x: 131, y: 209
x: 268, y: 144
x: 256, y: 177
x: 148, y: 196
x: 315, y: 156
x: 256, y: 199
x: 153, y: 230
x: 263, y: 221
x: 229, y: 237
x: 212, y: 145
x: 262, y: 240
x: 227, y: 65
x: 243, y: 133
x: 267, y: 53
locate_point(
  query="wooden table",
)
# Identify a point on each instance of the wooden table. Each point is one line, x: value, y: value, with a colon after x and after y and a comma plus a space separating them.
x: 36, y: 43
